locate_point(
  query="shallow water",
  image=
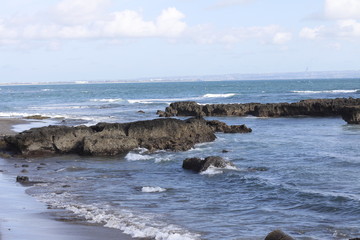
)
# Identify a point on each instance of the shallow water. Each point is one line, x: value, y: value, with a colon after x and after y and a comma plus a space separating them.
x: 296, y: 174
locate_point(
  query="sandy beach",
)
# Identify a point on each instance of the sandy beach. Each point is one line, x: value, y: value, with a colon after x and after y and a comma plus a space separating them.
x: 24, y: 218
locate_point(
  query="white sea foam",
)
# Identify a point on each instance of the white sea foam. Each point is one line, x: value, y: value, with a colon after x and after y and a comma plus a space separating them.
x: 224, y: 95
x: 152, y: 189
x: 47, y: 90
x: 163, y: 159
x: 131, y: 156
x: 57, y: 107
x: 157, y: 100
x: 139, y: 225
x: 328, y: 91
x: 108, y: 100
x: 214, y: 170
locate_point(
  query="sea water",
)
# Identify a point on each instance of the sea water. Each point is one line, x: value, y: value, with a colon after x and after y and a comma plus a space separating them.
x: 297, y: 174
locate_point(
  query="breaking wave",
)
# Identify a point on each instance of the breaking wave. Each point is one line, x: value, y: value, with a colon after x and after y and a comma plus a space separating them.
x: 152, y: 189
x: 328, y: 91
x: 136, y: 225
x: 225, y: 95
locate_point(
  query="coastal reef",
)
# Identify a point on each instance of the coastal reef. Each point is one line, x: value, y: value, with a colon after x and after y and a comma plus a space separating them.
x: 348, y: 108
x: 117, y: 138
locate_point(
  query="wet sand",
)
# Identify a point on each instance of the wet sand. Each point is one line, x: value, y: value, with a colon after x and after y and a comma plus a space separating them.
x: 22, y: 217
x: 6, y: 125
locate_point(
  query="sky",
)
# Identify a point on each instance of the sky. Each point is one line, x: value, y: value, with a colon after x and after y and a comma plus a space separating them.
x: 84, y: 40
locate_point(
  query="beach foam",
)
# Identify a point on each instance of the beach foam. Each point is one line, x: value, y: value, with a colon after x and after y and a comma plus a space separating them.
x: 136, y: 225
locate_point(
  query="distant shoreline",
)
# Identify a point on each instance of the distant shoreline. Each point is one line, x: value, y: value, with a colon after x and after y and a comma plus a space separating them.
x: 210, y: 78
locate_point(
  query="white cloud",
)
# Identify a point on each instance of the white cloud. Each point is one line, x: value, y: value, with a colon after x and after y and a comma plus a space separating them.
x: 311, y: 33
x: 348, y: 28
x: 206, y: 34
x: 229, y: 3
x: 281, y: 38
x: 342, y: 9
x: 79, y: 11
x: 79, y: 19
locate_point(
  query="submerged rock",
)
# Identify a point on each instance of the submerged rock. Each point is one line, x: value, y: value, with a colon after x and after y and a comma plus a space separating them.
x: 201, y: 165
x: 278, y: 235
x: 113, y: 138
x: 37, y: 117
x: 22, y: 179
x: 310, y: 107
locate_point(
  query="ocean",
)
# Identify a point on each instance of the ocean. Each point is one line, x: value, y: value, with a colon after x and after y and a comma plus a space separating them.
x: 300, y: 174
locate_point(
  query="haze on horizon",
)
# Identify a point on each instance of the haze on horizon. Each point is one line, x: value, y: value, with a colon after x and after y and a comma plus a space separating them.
x: 73, y: 40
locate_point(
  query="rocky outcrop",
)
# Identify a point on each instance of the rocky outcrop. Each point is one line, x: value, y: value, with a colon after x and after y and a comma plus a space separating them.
x: 218, y: 126
x: 351, y: 114
x: 113, y: 138
x: 200, y: 165
x: 278, y: 235
x: 310, y: 107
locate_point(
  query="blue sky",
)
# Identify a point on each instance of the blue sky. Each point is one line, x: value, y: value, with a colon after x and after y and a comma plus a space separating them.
x: 72, y: 40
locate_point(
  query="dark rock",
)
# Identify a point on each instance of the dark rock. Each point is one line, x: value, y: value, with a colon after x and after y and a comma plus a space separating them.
x: 218, y: 126
x: 200, y: 165
x: 163, y: 114
x: 354, y: 239
x: 22, y: 179
x: 310, y: 107
x: 141, y: 111
x: 116, y: 138
x: 24, y: 171
x: 278, y: 235
x: 351, y: 114
x: 225, y: 151
x: 24, y: 165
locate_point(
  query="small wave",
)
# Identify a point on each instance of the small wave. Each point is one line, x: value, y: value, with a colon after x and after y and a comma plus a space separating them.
x: 157, y: 100
x: 137, y: 157
x: 327, y: 91
x: 47, y: 90
x: 109, y: 100
x: 152, y: 189
x: 161, y: 159
x: 214, y: 170
x: 225, y: 95
x: 57, y: 107
x: 140, y: 225
x: 75, y: 169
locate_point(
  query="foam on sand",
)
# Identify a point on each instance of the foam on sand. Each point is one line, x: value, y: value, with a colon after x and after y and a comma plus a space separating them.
x: 21, y: 217
x: 137, y: 225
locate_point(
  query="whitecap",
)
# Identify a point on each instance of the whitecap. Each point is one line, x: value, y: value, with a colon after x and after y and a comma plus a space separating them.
x: 161, y: 159
x: 136, y: 157
x: 109, y: 100
x: 224, y: 95
x: 327, y: 91
x: 152, y: 189
x: 141, y: 225
x: 214, y: 170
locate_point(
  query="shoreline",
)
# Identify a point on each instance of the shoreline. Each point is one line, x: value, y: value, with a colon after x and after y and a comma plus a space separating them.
x: 7, y: 125
x: 23, y: 217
